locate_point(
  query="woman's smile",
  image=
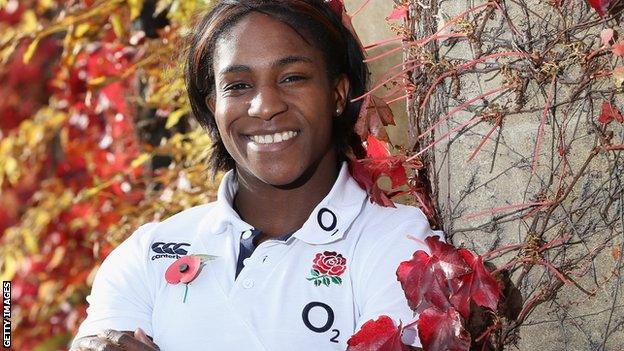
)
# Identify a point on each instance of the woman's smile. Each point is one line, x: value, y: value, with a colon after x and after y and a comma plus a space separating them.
x: 271, y: 141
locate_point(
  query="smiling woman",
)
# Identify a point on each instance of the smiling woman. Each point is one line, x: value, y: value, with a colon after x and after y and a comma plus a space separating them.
x: 292, y: 253
x: 269, y: 81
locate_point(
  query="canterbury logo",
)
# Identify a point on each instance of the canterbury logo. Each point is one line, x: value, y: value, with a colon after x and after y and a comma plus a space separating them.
x: 170, y: 248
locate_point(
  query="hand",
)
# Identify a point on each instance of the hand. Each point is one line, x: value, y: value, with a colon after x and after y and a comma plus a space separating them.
x: 113, y: 340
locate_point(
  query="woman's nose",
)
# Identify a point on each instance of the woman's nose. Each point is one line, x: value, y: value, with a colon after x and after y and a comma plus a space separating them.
x: 267, y: 103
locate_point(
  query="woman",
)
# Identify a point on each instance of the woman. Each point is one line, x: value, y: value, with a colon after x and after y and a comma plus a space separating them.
x: 299, y: 256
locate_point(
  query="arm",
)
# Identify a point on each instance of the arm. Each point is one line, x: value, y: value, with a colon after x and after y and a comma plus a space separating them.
x: 121, y: 296
x: 379, y: 292
x: 116, y: 340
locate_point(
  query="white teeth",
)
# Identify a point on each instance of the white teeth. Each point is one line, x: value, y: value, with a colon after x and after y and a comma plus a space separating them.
x: 273, y: 138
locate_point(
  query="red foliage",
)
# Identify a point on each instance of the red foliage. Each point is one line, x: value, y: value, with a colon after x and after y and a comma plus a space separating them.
x: 399, y: 12
x: 618, y: 48
x: 12, y: 14
x: 366, y: 181
x: 601, y: 6
x: 608, y: 113
x: 424, y: 277
x: 440, y: 286
x: 377, y: 335
x: 24, y: 87
x: 478, y: 286
x: 423, y: 282
x: 337, y: 6
x: 441, y: 283
x: 440, y: 330
x: 381, y: 162
x: 378, y: 162
x: 375, y: 114
x: 95, y: 147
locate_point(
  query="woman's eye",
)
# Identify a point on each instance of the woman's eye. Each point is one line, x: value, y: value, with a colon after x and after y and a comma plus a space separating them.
x: 290, y: 79
x: 237, y: 86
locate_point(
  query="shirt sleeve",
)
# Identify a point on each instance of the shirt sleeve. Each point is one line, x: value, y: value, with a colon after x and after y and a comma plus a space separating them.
x: 121, y: 298
x: 381, y: 292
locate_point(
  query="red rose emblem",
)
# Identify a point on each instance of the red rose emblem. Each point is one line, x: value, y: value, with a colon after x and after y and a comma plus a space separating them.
x: 326, y: 268
x: 330, y: 262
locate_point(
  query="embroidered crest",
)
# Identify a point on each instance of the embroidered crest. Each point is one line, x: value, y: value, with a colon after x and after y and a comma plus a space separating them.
x: 327, y: 268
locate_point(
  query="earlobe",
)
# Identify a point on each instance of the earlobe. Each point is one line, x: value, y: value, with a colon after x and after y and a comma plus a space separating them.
x: 341, y: 92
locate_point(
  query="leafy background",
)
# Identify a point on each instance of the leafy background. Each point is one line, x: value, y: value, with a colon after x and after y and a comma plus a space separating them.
x: 95, y: 140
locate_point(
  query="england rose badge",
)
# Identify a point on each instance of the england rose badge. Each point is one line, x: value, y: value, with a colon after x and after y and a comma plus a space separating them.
x: 327, y: 267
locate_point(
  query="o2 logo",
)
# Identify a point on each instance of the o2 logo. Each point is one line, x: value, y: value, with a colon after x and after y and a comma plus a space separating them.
x: 322, y: 217
x: 320, y: 308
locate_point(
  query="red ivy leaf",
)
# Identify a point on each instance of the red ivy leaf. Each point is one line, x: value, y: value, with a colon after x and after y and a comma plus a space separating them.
x: 478, y: 286
x: 337, y: 6
x: 606, y: 35
x: 600, y: 6
x: 441, y: 331
x: 608, y: 113
x: 399, y: 12
x: 368, y: 182
x: 376, y: 148
x: 618, y: 48
x: 377, y: 335
x: 115, y: 93
x: 423, y: 282
x: 383, y: 163
x: 374, y: 115
x: 450, y: 260
x: 425, y: 277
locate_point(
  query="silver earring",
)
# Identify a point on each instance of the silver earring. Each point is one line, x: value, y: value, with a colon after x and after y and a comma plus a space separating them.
x: 338, y: 111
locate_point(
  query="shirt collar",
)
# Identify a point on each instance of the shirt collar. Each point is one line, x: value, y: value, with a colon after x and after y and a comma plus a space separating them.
x: 331, y: 218
x: 327, y: 223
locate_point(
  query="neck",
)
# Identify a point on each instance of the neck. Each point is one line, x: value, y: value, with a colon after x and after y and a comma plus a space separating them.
x: 278, y: 210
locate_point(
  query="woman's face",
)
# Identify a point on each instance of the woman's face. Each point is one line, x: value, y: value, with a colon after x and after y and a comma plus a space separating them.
x: 273, y: 101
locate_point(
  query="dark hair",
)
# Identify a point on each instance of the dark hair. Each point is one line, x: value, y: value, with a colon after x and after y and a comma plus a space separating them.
x: 315, y: 22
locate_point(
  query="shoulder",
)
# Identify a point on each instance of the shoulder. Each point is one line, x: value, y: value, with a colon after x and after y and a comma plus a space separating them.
x: 181, y: 224
x: 184, y: 223
x: 386, y: 236
x: 152, y: 247
x: 389, y: 235
x: 177, y: 229
x: 378, y: 223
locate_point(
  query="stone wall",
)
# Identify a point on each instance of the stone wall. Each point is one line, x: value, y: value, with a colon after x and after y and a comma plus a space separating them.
x: 502, y: 174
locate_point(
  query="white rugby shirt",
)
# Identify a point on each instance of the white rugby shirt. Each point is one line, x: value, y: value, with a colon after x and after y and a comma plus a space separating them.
x: 274, y: 303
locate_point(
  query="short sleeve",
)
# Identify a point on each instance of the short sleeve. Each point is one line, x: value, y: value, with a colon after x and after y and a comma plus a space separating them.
x: 380, y: 292
x: 121, y: 297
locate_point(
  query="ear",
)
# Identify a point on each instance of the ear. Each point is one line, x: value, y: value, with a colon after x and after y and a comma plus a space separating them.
x: 341, y: 92
x: 210, y: 103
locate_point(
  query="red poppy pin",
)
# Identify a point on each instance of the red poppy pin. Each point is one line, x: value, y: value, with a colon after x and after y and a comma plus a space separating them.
x: 185, y: 269
x: 327, y: 267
